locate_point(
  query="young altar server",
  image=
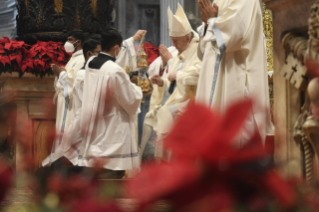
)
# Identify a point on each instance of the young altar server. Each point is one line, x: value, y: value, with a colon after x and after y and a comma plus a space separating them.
x: 109, y: 108
x: 91, y: 47
x: 234, y: 61
x: 64, y: 88
x: 172, y: 93
x: 63, y: 142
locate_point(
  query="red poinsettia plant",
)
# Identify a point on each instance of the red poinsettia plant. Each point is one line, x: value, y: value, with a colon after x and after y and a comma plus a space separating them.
x: 152, y: 52
x: 208, y: 172
x: 20, y: 57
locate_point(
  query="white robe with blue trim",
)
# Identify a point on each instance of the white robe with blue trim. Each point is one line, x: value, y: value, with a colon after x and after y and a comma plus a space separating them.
x: 63, y: 97
x: 234, y: 61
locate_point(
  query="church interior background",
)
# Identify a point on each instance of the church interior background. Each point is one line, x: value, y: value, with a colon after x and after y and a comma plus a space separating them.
x: 291, y: 38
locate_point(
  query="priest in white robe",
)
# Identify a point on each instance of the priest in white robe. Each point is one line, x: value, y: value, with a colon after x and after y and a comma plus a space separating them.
x: 109, y: 107
x: 234, y: 61
x: 171, y: 94
x: 64, y: 88
x: 91, y: 48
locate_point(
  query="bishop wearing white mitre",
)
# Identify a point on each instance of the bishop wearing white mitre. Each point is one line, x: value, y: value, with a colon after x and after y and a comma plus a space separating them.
x: 234, y: 61
x: 171, y: 94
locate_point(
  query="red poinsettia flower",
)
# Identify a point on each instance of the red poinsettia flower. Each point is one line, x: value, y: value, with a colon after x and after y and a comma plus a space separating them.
x: 27, y: 65
x: 2, y: 49
x: 6, y: 175
x: 4, y: 40
x: 5, y: 60
x: 206, y: 163
x: 15, y: 45
x: 39, y: 64
x: 17, y: 58
x: 151, y: 51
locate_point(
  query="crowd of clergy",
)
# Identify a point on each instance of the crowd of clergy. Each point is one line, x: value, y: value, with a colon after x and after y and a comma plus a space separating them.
x: 98, y: 101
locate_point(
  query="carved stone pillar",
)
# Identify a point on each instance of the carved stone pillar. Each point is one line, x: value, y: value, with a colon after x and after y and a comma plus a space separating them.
x: 287, y: 15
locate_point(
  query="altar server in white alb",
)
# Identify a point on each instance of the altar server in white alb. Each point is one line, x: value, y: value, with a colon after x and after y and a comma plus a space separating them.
x: 64, y: 88
x: 234, y: 61
x: 171, y: 94
x: 109, y: 108
x: 92, y: 47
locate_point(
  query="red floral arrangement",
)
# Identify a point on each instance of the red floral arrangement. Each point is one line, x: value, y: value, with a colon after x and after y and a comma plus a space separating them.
x: 152, y: 52
x: 207, y: 173
x: 19, y: 57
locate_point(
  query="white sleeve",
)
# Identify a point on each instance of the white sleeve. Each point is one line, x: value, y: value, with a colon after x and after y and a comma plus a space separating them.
x: 127, y: 55
x: 128, y: 95
x: 230, y: 28
x: 155, y: 67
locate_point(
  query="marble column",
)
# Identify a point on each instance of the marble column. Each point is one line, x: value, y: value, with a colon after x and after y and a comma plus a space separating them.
x: 121, y: 16
x: 165, y: 39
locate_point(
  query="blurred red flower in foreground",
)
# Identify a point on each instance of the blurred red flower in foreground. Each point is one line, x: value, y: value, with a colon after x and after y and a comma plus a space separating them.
x: 208, y: 169
x: 6, y: 176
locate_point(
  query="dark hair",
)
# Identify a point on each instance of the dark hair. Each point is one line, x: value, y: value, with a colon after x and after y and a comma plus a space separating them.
x: 90, y: 45
x: 95, y: 37
x: 78, y: 35
x: 109, y: 38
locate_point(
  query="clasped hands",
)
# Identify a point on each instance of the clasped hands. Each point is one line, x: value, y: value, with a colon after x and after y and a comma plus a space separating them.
x: 207, y: 10
x: 166, y: 55
x: 57, y: 70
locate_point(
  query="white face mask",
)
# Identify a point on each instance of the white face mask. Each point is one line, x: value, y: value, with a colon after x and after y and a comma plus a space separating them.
x: 69, y: 47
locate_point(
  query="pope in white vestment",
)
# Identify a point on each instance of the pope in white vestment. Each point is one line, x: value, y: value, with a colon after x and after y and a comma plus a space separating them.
x: 171, y: 99
x: 234, y: 62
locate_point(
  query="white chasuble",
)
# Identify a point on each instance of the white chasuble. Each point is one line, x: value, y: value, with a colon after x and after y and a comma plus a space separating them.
x: 166, y: 106
x: 63, y: 99
x: 109, y: 108
x: 234, y: 59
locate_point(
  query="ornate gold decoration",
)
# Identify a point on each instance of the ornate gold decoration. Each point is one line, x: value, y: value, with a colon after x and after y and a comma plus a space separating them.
x: 77, y: 20
x: 268, y: 31
x: 127, y: 69
x: 143, y: 63
x: 94, y: 7
x: 58, y: 6
x: 142, y: 81
x: 313, y: 31
x: 27, y: 6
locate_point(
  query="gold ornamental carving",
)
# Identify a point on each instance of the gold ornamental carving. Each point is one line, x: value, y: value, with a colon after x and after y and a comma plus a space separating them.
x: 27, y: 6
x: 58, y: 6
x: 94, y: 7
x: 299, y: 51
x: 268, y: 31
x: 313, y: 31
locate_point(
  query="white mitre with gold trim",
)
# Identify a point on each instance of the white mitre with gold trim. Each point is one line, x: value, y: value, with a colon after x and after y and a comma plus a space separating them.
x: 179, y: 25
